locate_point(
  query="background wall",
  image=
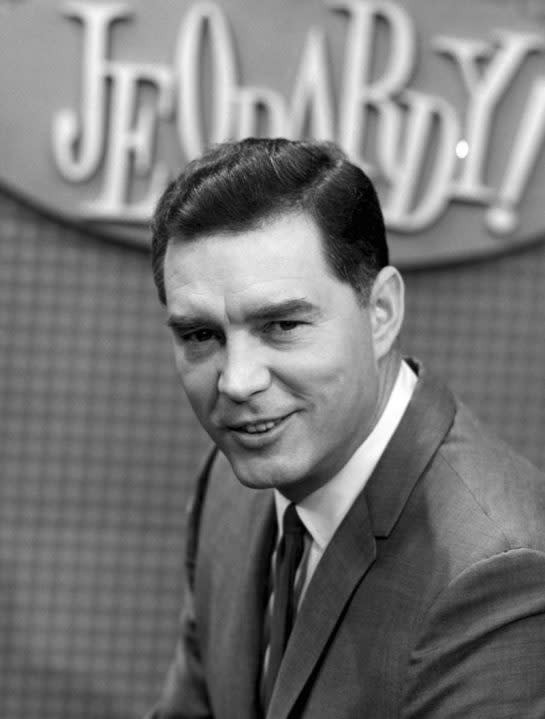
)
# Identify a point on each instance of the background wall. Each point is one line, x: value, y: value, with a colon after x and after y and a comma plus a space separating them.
x: 98, y: 449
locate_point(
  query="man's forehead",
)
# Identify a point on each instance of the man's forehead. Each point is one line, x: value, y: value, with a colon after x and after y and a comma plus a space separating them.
x: 285, y: 252
x: 244, y: 294
x: 254, y: 300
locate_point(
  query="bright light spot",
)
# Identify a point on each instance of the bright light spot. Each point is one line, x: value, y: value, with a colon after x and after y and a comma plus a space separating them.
x: 462, y: 149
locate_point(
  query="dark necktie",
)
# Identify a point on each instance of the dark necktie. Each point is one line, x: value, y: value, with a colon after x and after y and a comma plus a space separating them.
x: 288, y: 556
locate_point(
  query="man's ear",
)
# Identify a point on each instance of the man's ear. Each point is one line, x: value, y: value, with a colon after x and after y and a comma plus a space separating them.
x: 387, y: 309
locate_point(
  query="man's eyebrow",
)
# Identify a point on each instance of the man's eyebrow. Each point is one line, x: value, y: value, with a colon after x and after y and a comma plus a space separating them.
x: 183, y: 323
x: 269, y: 311
x: 274, y: 310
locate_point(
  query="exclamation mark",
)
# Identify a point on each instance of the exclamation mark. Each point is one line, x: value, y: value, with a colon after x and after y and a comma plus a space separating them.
x: 503, y: 218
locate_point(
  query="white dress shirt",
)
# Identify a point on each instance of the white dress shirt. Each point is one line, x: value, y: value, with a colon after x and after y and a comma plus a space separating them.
x: 323, y: 511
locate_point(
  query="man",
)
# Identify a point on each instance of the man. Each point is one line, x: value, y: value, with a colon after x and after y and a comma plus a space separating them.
x: 358, y: 545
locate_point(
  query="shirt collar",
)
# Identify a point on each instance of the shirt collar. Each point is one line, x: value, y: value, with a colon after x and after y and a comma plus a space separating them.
x: 322, y: 511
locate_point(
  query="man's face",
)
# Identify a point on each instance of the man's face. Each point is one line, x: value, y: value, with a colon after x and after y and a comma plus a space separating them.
x: 275, y: 354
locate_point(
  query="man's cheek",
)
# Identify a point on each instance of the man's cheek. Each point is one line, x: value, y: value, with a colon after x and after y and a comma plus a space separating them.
x: 203, y: 398
x: 195, y: 392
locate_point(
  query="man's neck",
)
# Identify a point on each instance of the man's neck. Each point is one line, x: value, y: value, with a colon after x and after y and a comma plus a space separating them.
x: 389, y: 367
x: 389, y: 373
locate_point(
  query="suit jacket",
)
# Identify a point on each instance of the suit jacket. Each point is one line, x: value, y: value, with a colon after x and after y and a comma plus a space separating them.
x: 429, y: 601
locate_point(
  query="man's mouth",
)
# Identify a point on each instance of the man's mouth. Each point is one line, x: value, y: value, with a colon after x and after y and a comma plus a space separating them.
x: 259, y: 427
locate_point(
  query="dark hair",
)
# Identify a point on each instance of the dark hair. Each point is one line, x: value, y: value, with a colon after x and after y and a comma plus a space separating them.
x: 236, y: 186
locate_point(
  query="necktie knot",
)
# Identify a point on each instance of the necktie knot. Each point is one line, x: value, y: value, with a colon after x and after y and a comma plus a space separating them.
x: 291, y: 523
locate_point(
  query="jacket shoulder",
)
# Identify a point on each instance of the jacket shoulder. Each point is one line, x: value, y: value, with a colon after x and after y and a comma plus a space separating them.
x: 503, y: 487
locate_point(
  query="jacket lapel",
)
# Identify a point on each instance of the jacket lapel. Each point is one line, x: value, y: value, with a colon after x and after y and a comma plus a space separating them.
x: 420, y: 433
x: 245, y: 558
x: 258, y: 546
x: 352, y: 550
x: 345, y: 561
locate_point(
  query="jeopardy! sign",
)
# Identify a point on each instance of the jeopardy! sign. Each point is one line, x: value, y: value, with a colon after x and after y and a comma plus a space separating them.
x: 442, y: 103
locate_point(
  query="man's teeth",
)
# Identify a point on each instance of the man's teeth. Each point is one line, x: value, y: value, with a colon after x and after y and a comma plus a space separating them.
x: 260, y: 426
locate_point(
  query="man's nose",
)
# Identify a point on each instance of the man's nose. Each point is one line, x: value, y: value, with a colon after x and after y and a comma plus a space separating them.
x: 243, y: 372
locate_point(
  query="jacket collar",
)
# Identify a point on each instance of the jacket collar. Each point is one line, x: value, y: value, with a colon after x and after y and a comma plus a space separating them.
x: 426, y: 421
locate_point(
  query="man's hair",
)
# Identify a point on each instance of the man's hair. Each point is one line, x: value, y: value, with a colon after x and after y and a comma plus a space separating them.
x: 239, y: 186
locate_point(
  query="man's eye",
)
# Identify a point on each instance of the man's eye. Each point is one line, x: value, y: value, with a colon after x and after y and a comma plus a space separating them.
x: 199, y: 336
x: 282, y: 326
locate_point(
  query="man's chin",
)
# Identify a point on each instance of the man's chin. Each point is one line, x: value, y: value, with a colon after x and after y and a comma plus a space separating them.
x: 273, y: 475
x: 249, y: 477
x: 259, y: 473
